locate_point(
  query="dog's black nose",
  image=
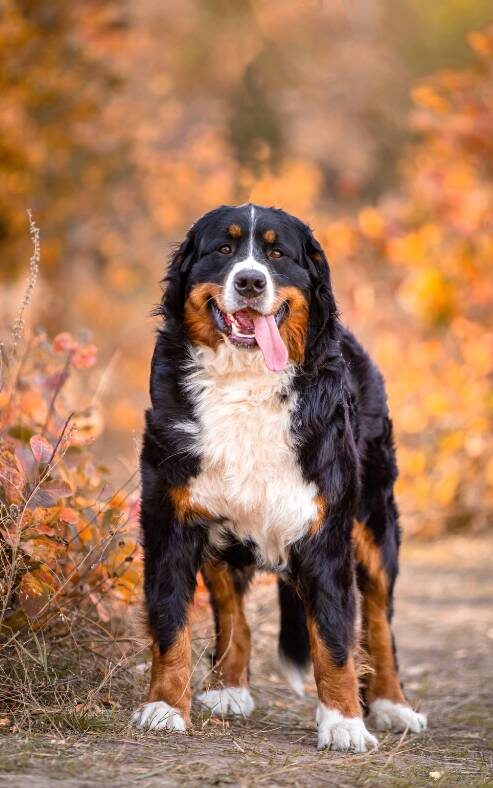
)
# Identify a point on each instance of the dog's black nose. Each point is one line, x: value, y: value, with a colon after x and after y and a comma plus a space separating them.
x: 250, y: 283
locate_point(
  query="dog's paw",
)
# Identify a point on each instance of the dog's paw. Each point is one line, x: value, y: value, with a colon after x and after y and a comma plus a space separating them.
x: 386, y: 715
x: 228, y: 700
x: 159, y: 716
x: 337, y: 732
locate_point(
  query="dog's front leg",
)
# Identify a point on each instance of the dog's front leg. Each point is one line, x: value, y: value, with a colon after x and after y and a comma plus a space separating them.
x: 173, y: 541
x: 326, y: 579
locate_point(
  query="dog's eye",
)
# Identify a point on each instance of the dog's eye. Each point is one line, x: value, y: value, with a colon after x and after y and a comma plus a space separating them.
x: 275, y: 254
x: 225, y: 249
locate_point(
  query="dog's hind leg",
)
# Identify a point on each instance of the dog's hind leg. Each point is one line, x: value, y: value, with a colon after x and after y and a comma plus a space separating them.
x: 376, y: 539
x: 227, y: 690
x: 377, y: 569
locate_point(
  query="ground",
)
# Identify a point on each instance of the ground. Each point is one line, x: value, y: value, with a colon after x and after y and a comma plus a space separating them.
x: 444, y: 627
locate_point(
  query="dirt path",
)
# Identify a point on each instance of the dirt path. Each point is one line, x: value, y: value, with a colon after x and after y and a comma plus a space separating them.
x: 444, y: 624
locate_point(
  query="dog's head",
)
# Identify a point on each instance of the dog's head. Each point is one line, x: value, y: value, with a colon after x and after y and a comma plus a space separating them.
x: 252, y: 277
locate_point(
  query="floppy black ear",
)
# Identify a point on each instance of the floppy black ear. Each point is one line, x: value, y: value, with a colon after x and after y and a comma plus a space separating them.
x: 175, y: 281
x: 323, y: 330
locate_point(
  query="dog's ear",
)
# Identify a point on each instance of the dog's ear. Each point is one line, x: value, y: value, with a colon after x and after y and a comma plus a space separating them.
x: 323, y: 328
x: 175, y: 281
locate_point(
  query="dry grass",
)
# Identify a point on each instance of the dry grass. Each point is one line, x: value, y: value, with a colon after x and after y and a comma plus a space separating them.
x: 445, y: 631
x: 64, y: 678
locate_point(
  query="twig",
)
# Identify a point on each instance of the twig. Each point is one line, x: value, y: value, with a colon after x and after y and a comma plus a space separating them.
x: 67, y: 421
x: 61, y: 381
x: 19, y: 323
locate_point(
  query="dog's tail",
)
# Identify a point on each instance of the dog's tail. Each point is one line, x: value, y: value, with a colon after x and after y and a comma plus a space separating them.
x: 294, y: 645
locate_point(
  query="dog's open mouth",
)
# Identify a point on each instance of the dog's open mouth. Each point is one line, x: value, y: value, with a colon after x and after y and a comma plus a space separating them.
x: 247, y: 328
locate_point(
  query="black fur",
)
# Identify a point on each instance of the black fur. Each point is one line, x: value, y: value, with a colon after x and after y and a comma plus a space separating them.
x: 172, y: 560
x: 343, y: 437
x: 294, y: 645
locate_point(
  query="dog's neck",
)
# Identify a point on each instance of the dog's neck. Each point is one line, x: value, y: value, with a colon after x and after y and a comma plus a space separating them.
x: 242, y: 372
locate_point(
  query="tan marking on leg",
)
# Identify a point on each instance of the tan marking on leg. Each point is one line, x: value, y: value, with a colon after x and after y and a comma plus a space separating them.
x: 269, y: 236
x: 235, y: 231
x: 337, y: 687
x: 170, y: 674
x: 233, y: 636
x: 185, y: 508
x: 383, y: 681
x: 322, y: 508
x: 197, y: 316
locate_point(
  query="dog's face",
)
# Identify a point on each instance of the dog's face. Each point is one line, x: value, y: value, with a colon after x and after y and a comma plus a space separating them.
x: 247, y: 275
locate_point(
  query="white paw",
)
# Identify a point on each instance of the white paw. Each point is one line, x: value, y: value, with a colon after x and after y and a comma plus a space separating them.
x: 228, y: 700
x: 386, y: 715
x: 159, y: 716
x: 294, y: 675
x: 342, y: 733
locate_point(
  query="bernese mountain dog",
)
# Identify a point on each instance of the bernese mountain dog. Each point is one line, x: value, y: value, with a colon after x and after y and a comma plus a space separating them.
x: 268, y: 445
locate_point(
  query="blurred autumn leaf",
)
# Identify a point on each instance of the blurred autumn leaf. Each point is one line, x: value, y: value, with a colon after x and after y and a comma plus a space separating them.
x: 432, y: 240
x: 55, y: 80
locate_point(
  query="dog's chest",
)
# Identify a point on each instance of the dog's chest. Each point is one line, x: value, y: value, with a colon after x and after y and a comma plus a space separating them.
x: 250, y: 476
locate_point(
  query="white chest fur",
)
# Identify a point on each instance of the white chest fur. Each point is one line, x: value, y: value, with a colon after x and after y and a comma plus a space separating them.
x: 249, y: 471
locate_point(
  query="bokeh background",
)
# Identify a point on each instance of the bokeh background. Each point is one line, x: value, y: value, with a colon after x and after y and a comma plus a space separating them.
x: 120, y: 123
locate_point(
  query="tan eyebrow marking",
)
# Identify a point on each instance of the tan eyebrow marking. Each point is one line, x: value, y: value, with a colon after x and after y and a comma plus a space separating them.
x: 235, y: 230
x: 270, y: 236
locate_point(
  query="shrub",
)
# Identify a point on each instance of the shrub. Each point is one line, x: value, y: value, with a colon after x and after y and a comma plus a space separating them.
x: 69, y: 562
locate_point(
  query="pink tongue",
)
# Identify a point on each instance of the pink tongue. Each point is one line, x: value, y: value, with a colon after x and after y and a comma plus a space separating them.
x: 270, y: 342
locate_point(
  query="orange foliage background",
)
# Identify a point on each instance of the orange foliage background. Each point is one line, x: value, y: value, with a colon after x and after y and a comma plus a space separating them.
x: 120, y: 124
x: 434, y: 332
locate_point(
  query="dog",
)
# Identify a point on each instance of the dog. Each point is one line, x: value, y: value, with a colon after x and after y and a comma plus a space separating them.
x: 268, y: 445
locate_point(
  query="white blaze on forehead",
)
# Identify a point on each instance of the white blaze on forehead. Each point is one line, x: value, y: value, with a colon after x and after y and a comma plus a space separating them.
x: 252, y: 231
x: 250, y: 263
